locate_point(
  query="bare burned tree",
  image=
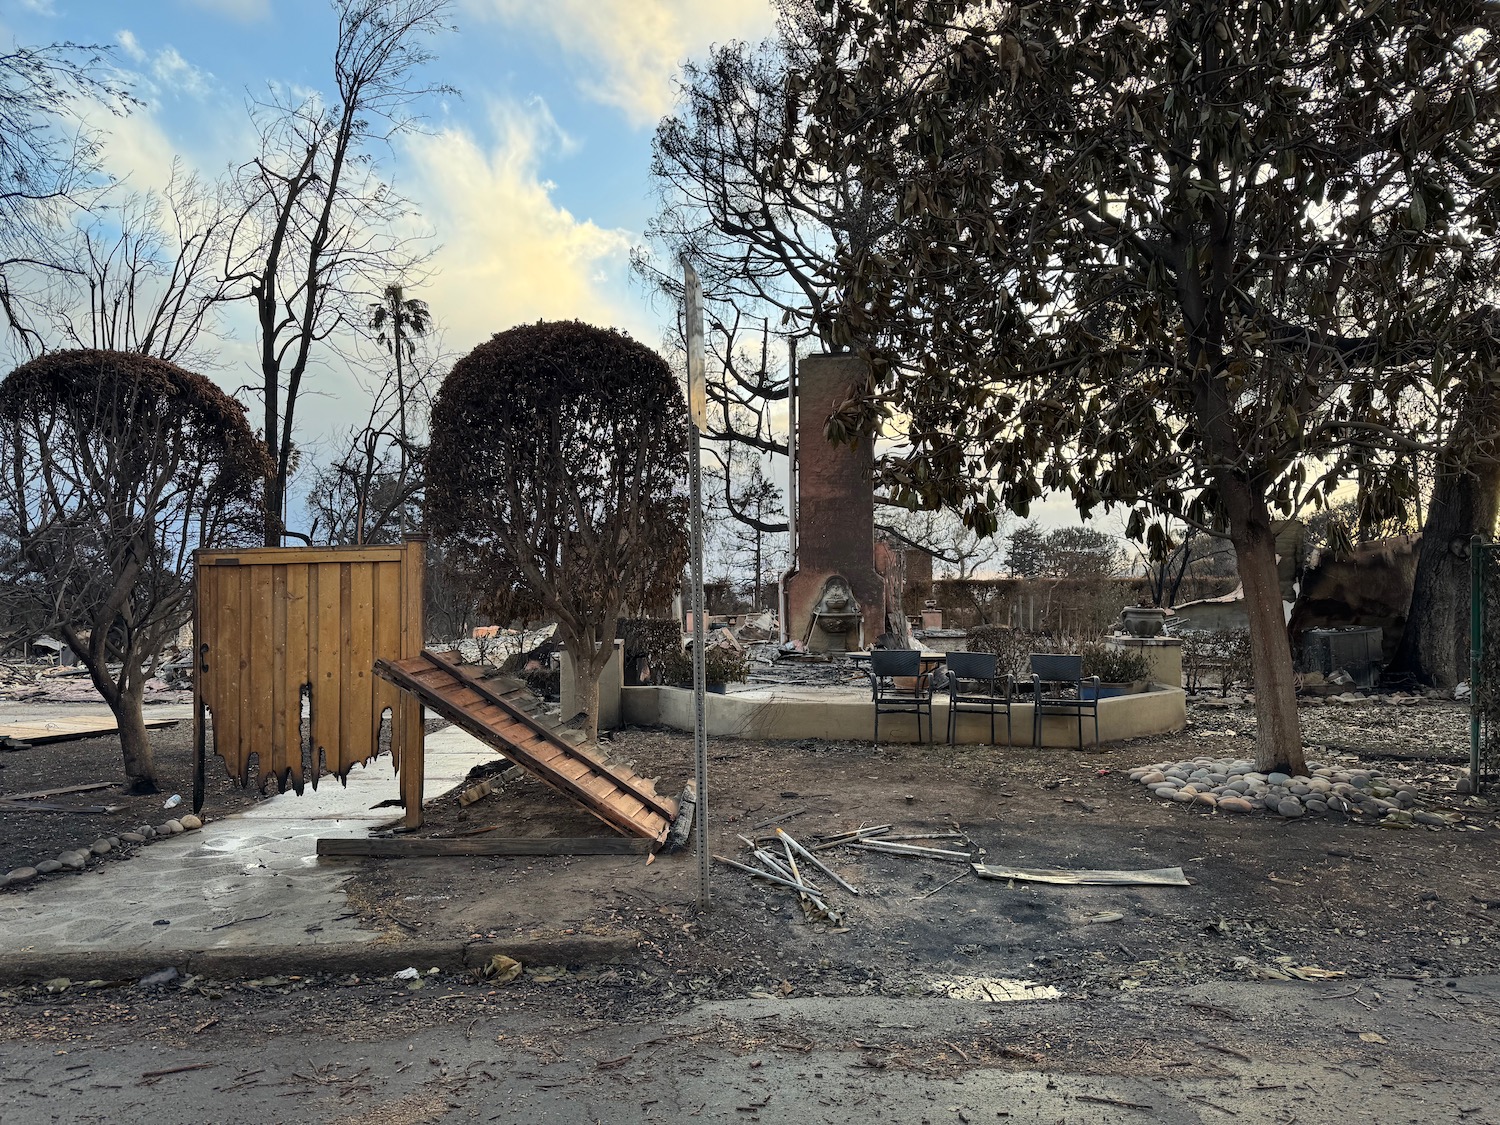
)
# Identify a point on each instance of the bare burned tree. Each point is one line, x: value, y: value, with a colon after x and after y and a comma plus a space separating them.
x: 317, y: 229
x: 147, y: 279
x: 117, y: 466
x: 371, y: 492
x: 765, y: 237
x: 49, y: 171
x: 555, y: 470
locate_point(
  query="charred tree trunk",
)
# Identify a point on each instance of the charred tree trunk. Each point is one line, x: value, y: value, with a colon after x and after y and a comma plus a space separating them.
x: 1278, y: 736
x: 1434, y: 648
x: 125, y: 704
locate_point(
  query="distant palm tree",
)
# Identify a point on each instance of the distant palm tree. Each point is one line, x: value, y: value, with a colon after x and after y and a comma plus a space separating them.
x: 396, y: 320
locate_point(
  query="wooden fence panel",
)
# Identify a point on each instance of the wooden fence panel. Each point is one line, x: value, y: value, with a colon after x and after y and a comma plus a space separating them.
x: 274, y: 625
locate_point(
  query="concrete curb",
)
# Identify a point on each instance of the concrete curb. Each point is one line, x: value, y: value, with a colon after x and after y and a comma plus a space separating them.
x: 365, y: 959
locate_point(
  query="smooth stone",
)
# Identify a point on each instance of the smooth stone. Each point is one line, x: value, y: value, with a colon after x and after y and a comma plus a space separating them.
x: 171, y: 828
x: 73, y: 861
x: 1320, y: 785
x: 21, y: 875
x: 1206, y: 799
x: 1421, y: 816
x: 1237, y: 787
x: 1316, y: 806
x: 147, y: 831
x: 1183, y: 797
x: 1278, y: 778
x: 132, y: 838
x: 114, y: 841
x: 101, y: 847
x: 1152, y: 778
x: 1290, y: 807
x: 1165, y: 792
x: 1299, y: 789
x: 1236, y: 805
x: 191, y: 823
x: 48, y: 867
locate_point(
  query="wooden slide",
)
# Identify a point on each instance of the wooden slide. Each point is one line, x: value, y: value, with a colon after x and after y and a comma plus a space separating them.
x: 502, y: 712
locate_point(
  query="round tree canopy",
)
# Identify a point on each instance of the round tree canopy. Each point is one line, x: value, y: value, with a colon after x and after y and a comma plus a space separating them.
x: 557, y: 456
x: 102, y: 396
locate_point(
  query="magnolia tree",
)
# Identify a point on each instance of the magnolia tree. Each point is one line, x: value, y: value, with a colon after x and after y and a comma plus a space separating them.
x: 1203, y: 258
x: 556, y: 461
x: 116, y: 467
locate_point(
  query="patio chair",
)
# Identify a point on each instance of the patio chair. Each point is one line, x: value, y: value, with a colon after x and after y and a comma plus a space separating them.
x: 974, y: 686
x: 899, y: 687
x: 1066, y: 692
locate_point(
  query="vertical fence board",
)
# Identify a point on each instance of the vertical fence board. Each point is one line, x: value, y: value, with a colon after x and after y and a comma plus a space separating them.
x: 239, y: 639
x: 259, y: 616
x: 285, y: 762
x: 326, y: 703
x: 388, y: 638
x: 296, y: 646
x: 359, y: 667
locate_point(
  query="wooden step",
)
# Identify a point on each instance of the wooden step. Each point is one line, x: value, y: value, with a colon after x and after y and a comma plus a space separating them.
x: 498, y: 710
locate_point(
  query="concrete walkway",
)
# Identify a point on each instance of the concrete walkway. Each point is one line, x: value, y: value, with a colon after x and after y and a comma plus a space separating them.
x: 251, y: 880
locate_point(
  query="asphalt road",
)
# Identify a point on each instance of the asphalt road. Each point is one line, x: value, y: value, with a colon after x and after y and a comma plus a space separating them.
x: 1379, y: 1051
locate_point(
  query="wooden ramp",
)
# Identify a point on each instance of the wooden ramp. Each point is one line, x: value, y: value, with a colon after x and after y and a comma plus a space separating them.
x: 40, y: 732
x: 503, y: 712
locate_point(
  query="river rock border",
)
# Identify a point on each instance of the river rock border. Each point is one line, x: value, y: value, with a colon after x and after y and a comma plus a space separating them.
x: 78, y: 858
x: 1234, y: 785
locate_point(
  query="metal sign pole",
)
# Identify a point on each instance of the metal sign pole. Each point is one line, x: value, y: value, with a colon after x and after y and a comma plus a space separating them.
x: 698, y: 408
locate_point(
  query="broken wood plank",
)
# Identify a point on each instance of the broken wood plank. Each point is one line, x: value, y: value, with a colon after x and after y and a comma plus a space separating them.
x: 413, y: 848
x: 907, y: 849
x: 43, y: 806
x: 40, y: 732
x: 1162, y: 877
x: 37, y: 794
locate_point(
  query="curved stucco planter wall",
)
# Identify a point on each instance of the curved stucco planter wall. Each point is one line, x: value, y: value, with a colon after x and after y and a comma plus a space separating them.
x: 792, y: 713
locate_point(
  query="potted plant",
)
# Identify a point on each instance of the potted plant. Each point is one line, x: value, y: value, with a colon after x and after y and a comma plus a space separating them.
x: 721, y: 666
x: 1121, y: 671
x: 1143, y: 620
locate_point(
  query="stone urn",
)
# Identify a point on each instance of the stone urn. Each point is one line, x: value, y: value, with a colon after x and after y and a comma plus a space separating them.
x: 1143, y: 620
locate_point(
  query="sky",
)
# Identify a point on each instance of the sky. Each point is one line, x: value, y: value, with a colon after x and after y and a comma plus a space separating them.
x: 534, y: 179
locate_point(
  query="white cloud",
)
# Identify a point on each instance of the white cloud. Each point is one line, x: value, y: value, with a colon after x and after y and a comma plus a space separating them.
x: 629, y: 51
x: 245, y: 11
x: 510, y: 254
x: 175, y: 73
x: 131, y: 45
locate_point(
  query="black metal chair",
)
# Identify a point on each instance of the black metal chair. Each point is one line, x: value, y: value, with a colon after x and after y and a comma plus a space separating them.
x: 974, y: 686
x: 899, y: 687
x: 1061, y: 675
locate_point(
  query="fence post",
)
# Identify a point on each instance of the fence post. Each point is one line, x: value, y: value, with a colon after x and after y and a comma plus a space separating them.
x: 411, y: 756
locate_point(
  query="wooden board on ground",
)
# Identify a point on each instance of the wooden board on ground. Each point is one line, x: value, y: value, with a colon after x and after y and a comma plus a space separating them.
x: 410, y: 848
x: 39, y: 732
x: 502, y: 712
x: 1164, y: 877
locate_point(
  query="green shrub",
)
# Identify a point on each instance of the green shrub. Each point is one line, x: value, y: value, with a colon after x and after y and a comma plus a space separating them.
x: 1012, y: 648
x: 1115, y: 665
x: 659, y: 640
x: 720, y: 666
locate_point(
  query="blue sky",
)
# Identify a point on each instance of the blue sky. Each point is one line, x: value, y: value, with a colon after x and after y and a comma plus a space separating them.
x: 534, y: 181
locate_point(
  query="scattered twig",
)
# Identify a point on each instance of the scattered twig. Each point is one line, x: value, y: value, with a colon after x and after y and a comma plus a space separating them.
x: 1223, y: 1050
x: 1110, y: 1101
x: 778, y: 818
x: 237, y: 921
x: 151, y: 1074
x: 940, y: 886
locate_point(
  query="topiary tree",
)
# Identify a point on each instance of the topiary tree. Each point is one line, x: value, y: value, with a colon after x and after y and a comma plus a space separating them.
x: 556, y: 459
x: 116, y: 467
